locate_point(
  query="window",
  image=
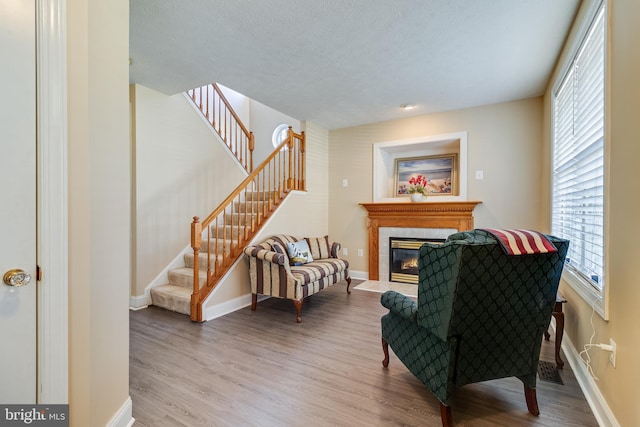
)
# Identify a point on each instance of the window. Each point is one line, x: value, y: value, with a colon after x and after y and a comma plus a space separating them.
x: 578, y: 162
x: 279, y: 135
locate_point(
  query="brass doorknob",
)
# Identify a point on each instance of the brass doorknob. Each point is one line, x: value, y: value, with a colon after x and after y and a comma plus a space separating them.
x: 16, y: 277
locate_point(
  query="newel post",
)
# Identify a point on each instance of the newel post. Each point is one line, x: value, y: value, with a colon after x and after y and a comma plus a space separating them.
x: 196, y: 243
x: 303, y: 147
x: 251, y: 147
x: 290, y: 180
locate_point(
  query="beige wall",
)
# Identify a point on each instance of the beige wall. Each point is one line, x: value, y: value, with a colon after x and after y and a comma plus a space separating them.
x: 303, y: 214
x: 264, y: 121
x: 617, y: 385
x: 181, y: 170
x: 504, y: 140
x: 99, y: 208
x: 259, y: 119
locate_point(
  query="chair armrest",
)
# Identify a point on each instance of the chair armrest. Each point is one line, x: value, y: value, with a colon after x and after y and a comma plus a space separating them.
x: 400, y: 304
x: 264, y: 254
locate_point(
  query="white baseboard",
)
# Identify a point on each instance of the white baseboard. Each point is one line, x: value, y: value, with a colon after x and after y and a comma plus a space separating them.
x: 138, y: 302
x: 230, y: 306
x: 124, y: 417
x: 598, y: 404
x: 360, y: 275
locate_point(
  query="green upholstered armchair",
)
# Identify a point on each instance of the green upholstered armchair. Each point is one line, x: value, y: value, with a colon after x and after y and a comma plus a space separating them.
x: 480, y: 315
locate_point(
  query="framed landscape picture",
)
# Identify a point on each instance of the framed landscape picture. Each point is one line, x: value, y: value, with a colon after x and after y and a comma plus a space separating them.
x: 440, y: 172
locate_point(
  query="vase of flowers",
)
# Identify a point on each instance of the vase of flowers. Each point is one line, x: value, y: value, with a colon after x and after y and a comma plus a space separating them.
x: 418, y: 188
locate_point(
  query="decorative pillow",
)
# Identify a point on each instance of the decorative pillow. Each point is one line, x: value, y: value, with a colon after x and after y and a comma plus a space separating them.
x: 319, y: 247
x: 299, y: 252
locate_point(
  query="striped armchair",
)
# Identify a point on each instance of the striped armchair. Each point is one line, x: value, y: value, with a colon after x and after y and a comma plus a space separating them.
x: 271, y: 272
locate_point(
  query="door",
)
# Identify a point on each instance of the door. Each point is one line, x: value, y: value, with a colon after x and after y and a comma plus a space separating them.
x: 17, y: 202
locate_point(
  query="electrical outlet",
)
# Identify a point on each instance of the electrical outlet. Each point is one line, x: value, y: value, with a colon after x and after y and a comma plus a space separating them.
x: 360, y: 252
x: 345, y: 182
x: 480, y: 175
x: 345, y: 251
x: 612, y: 355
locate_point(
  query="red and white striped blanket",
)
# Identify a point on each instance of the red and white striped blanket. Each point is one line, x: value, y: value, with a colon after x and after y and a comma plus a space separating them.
x: 522, y: 242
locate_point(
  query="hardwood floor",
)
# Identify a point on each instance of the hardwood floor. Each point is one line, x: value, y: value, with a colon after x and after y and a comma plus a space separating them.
x: 263, y: 369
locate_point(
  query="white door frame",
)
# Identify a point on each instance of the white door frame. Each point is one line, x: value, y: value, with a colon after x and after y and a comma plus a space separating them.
x: 52, y: 240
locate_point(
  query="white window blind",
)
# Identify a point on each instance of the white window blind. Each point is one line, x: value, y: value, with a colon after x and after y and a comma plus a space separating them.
x: 578, y: 157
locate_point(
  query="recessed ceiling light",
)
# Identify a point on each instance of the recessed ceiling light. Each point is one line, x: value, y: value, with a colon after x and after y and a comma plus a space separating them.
x: 407, y: 106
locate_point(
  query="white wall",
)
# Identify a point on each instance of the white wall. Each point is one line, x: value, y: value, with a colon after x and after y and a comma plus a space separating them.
x: 240, y: 104
x: 182, y: 170
x: 99, y: 176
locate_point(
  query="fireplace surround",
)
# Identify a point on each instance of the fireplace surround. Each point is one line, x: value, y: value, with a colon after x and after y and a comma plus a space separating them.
x: 447, y: 217
x: 403, y: 258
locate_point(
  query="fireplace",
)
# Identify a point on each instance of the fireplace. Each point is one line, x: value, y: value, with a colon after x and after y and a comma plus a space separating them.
x: 403, y: 258
x: 421, y: 217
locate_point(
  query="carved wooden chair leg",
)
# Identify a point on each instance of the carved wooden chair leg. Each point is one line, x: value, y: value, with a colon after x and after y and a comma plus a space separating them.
x: 254, y: 301
x: 532, y: 400
x: 298, y: 305
x: 348, y: 279
x: 445, y: 415
x: 385, y: 350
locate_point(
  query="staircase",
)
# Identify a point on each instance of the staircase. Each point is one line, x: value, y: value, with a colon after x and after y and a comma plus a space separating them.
x: 218, y: 240
x: 176, y: 295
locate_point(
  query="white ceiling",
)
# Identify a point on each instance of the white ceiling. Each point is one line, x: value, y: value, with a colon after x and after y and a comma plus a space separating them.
x: 342, y: 63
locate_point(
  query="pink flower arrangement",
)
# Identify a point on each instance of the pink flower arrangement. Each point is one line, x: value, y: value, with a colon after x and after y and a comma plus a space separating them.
x: 418, y: 184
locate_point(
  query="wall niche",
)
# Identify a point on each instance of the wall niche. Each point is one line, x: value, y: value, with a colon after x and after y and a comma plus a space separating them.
x: 386, y: 153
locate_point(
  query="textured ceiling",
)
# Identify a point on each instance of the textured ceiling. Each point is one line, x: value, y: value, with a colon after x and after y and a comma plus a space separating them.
x: 342, y: 63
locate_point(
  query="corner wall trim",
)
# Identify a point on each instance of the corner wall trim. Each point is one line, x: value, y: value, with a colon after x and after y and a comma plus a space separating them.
x: 53, y: 216
x: 123, y: 418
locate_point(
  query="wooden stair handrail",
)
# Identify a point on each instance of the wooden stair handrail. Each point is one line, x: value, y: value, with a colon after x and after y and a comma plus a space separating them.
x: 279, y: 174
x: 241, y: 146
x: 231, y: 110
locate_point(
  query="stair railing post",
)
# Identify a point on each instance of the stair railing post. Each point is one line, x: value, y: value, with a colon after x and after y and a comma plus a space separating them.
x: 196, y: 244
x: 251, y: 147
x: 290, y: 181
x: 263, y: 187
x: 303, y: 144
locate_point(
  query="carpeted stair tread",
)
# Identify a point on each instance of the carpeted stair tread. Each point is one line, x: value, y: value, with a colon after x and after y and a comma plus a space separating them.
x: 254, y: 196
x: 249, y: 206
x: 202, y: 260
x: 241, y: 218
x: 222, y: 244
x: 171, y: 297
x: 229, y: 232
x: 183, y: 277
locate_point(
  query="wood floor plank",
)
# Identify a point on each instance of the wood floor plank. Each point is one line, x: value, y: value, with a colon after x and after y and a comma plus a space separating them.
x: 263, y: 369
